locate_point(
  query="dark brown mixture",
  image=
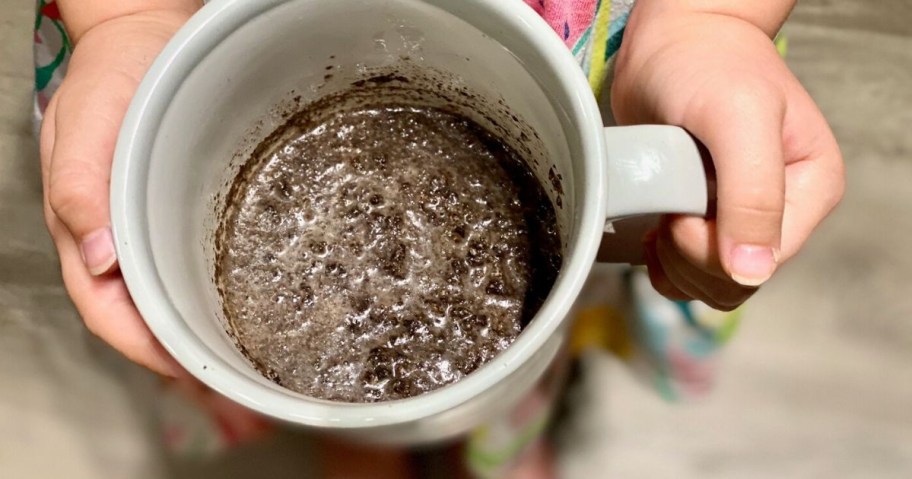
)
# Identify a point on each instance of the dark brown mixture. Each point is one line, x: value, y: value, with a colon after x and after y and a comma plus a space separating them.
x: 379, y: 252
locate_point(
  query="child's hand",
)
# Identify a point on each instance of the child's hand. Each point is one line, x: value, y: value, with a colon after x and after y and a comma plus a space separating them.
x: 779, y: 170
x: 77, y: 145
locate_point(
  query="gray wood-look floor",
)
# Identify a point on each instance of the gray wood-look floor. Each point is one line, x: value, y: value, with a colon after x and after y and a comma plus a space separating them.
x: 818, y: 383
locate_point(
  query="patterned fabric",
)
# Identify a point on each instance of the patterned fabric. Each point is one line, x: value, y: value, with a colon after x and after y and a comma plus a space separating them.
x: 677, y: 341
x: 591, y: 29
x: 52, y: 48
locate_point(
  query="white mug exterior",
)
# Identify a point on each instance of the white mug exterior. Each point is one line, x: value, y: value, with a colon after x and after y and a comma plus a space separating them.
x: 237, y: 58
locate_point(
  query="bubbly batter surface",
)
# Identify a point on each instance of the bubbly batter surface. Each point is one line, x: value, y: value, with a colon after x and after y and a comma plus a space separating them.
x: 379, y: 252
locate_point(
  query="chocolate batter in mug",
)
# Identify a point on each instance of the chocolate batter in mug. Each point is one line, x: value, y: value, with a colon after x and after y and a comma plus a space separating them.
x: 378, y: 251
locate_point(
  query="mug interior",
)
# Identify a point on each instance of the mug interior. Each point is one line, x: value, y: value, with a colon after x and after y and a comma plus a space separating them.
x: 249, y: 71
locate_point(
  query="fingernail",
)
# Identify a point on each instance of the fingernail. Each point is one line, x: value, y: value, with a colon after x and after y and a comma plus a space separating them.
x: 98, y: 251
x: 752, y: 265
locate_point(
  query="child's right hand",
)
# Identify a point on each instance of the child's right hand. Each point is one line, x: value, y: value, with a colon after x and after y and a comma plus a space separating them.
x: 78, y: 136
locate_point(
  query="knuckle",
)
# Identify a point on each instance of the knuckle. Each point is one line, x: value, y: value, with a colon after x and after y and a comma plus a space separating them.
x: 68, y: 193
x: 752, y: 94
x: 50, y: 220
x: 684, y: 229
x: 93, y: 325
x: 836, y: 191
x: 692, y: 237
x: 763, y: 210
x: 49, y: 215
x: 753, y: 198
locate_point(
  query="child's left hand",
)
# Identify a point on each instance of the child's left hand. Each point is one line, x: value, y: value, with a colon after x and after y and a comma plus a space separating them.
x: 78, y: 136
x: 779, y: 169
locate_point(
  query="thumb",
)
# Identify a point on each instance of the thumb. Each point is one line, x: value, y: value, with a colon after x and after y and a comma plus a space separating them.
x: 743, y: 133
x: 86, y: 125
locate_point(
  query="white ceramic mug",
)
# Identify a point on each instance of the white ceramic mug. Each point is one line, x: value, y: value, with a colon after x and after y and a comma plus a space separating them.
x: 236, y: 59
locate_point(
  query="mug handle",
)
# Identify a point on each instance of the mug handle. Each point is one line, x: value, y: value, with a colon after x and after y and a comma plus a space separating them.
x: 652, y: 170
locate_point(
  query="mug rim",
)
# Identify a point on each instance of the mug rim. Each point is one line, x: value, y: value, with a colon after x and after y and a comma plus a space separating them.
x: 208, y: 27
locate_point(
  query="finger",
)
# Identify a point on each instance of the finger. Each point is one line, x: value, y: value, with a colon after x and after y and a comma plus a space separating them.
x: 86, y: 123
x: 107, y: 310
x: 695, y: 240
x: 87, y: 120
x: 719, y: 293
x: 815, y: 174
x: 657, y: 276
x: 678, y: 279
x: 743, y: 132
